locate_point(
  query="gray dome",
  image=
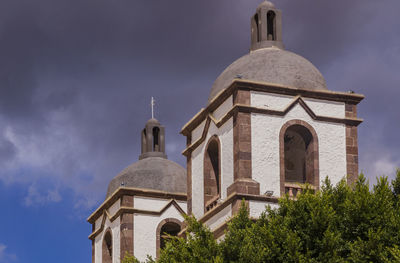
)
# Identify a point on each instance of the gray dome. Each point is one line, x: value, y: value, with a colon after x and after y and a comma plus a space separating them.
x: 153, y: 173
x: 272, y: 65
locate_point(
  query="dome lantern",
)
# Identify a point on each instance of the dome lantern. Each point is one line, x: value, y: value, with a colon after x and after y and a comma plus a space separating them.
x: 153, y: 140
x: 266, y: 27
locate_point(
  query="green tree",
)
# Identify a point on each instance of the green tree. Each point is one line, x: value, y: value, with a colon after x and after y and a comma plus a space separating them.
x: 339, y: 223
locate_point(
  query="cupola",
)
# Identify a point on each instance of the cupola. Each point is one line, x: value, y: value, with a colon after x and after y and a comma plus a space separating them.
x: 266, y: 27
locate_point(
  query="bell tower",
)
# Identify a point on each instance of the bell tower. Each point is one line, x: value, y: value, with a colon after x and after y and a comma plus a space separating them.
x: 266, y: 27
x: 271, y: 126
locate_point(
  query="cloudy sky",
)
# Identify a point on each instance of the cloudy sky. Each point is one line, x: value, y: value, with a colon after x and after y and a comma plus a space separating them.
x: 76, y: 77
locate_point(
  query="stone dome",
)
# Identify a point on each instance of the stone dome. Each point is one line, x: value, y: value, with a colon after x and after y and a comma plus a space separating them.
x: 266, y: 4
x: 271, y: 65
x: 154, y: 173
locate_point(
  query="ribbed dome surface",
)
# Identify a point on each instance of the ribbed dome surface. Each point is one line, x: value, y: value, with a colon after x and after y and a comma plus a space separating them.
x: 151, y: 173
x: 272, y: 65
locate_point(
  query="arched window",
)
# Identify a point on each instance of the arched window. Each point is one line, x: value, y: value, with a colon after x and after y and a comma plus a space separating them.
x: 166, y: 228
x: 156, y: 139
x: 299, y: 157
x: 255, y: 36
x: 212, y: 173
x: 107, y: 248
x: 144, y: 141
x: 271, y: 25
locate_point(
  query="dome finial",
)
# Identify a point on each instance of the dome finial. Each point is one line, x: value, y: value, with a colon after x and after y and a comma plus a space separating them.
x: 266, y: 27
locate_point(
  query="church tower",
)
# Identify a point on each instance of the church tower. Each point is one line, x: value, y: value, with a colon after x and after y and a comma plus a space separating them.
x: 144, y: 203
x: 270, y: 126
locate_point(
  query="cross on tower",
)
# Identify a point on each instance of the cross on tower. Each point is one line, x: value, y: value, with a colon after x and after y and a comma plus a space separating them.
x: 152, y: 107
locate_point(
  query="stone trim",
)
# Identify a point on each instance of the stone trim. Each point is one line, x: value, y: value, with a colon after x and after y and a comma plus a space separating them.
x: 133, y: 192
x: 241, y: 137
x: 315, y: 145
x: 220, y: 230
x: 230, y: 200
x: 205, y: 167
x: 234, y: 199
x: 353, y: 121
x: 241, y: 84
x: 131, y: 210
x: 351, y: 145
x: 158, y: 232
x: 244, y: 186
x: 126, y: 227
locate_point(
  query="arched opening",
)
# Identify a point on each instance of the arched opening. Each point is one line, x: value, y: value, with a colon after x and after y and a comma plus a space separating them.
x: 167, y: 230
x: 271, y: 25
x: 212, y: 175
x: 255, y: 36
x: 156, y: 139
x: 299, y: 157
x: 107, y: 248
x: 144, y: 141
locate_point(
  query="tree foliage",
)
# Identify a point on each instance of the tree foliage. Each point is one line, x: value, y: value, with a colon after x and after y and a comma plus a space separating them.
x: 339, y: 223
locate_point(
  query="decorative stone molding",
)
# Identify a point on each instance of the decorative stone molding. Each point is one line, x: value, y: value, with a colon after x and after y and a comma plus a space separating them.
x: 131, y: 210
x: 242, y: 84
x: 121, y: 191
x: 351, y: 145
x: 239, y: 108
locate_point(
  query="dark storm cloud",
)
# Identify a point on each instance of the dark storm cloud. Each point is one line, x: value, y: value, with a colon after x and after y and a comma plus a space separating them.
x: 76, y: 76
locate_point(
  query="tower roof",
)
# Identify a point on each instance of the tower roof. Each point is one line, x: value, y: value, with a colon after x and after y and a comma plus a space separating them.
x: 271, y: 65
x: 153, y: 170
x: 153, y: 173
x: 266, y: 4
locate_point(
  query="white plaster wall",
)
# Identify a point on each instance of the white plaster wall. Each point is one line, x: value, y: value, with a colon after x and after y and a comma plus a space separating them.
x: 326, y: 108
x: 223, y: 108
x: 225, y: 135
x: 265, y: 148
x: 219, y: 218
x: 155, y: 204
x: 198, y: 131
x: 115, y: 231
x: 145, y: 227
x: 114, y: 207
x: 148, y: 203
x: 97, y: 223
x: 183, y: 205
x: 257, y: 207
x: 280, y: 102
x: 270, y: 101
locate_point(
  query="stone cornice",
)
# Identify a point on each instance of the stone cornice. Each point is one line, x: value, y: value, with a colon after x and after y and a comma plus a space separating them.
x: 133, y: 192
x: 228, y: 201
x: 131, y: 210
x: 351, y: 98
x: 249, y: 109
